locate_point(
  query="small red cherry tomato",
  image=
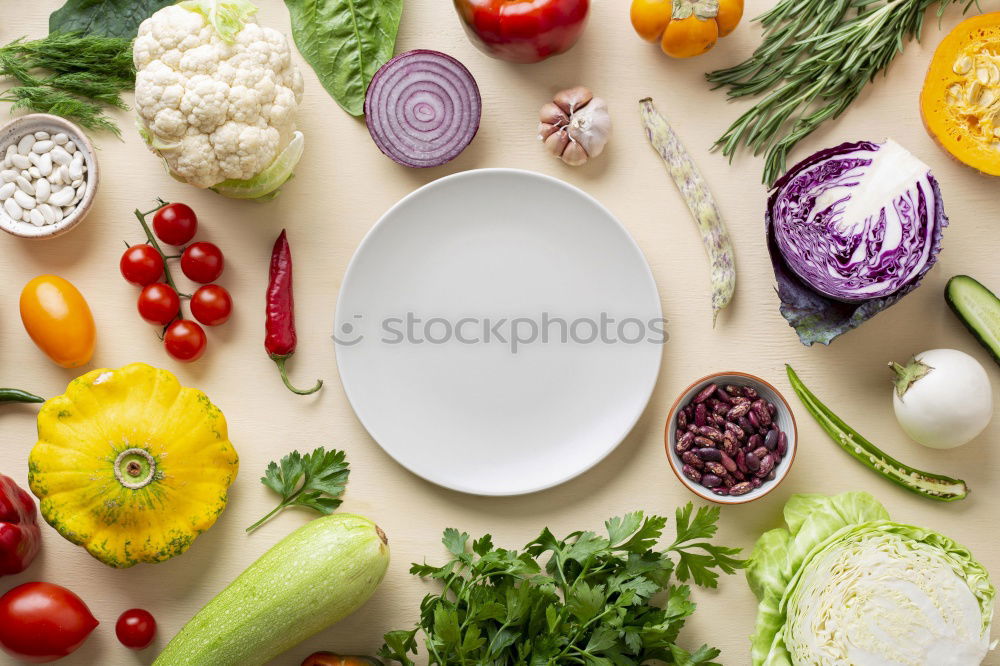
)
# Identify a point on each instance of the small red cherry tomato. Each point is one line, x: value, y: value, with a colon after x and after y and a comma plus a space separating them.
x: 185, y: 340
x: 211, y: 305
x: 175, y: 224
x: 141, y: 265
x: 202, y: 262
x: 158, y: 304
x: 136, y: 629
x: 42, y: 622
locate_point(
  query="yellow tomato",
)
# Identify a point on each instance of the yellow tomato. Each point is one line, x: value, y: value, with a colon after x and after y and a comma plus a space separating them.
x: 58, y: 319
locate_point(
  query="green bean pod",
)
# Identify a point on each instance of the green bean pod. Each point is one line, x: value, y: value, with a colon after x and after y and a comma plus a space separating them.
x: 933, y: 486
x: 16, y: 395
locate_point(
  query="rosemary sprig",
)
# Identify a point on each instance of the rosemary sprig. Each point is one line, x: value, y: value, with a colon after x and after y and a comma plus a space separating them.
x: 69, y: 75
x: 815, y: 59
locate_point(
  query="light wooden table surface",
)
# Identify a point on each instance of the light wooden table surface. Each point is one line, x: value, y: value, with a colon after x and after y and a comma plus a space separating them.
x: 344, y: 184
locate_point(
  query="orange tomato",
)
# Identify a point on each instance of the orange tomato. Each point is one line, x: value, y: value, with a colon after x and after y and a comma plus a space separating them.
x: 685, y: 28
x: 58, y: 319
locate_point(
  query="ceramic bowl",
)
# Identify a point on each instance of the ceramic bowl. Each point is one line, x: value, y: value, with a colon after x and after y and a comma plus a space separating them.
x: 783, y: 418
x: 35, y: 122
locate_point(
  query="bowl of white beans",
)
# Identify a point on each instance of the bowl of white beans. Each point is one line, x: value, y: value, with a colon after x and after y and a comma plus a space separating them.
x: 48, y: 176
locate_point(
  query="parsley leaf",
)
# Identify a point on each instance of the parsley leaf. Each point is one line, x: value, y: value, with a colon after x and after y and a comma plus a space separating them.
x: 315, y: 480
x: 582, y: 599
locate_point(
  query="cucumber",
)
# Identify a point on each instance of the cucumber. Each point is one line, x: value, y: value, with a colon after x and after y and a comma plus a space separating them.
x: 317, y: 575
x: 978, y: 308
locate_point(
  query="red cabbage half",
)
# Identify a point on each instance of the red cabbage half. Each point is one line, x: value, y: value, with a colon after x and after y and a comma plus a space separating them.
x: 851, y: 230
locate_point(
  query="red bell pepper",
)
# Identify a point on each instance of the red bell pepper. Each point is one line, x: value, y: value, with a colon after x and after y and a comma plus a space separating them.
x: 20, y: 536
x: 523, y: 31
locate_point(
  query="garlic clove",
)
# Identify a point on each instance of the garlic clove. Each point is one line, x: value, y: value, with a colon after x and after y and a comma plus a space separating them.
x: 545, y: 130
x: 553, y: 115
x: 575, y: 155
x: 573, y: 99
x: 556, y: 143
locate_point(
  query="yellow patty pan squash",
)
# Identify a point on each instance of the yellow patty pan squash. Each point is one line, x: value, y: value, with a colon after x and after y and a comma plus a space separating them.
x: 130, y: 465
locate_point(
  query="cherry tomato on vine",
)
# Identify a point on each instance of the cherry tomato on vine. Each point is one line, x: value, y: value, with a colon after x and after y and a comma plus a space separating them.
x: 211, y: 305
x: 136, y: 629
x: 141, y: 265
x: 158, y: 303
x: 42, y: 622
x: 175, y: 224
x: 185, y: 340
x: 202, y: 262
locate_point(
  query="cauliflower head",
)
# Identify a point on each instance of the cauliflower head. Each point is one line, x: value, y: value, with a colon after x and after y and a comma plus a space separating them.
x: 216, y: 93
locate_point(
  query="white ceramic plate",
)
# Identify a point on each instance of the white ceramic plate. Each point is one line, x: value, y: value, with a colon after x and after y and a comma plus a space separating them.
x: 482, y: 416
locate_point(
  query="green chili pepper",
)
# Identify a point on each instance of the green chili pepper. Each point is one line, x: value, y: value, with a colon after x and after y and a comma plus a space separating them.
x: 15, y: 395
x: 934, y: 486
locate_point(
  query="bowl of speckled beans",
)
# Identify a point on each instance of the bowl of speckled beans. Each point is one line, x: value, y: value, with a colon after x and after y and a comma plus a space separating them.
x: 48, y: 176
x: 731, y: 438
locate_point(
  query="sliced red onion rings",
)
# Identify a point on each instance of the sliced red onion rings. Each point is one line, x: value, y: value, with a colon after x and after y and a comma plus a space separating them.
x: 423, y: 108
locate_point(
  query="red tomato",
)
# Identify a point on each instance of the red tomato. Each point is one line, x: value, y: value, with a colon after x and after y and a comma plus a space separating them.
x: 523, y: 31
x: 141, y: 265
x: 159, y: 304
x: 175, y: 224
x: 136, y: 629
x: 42, y: 622
x: 185, y: 340
x: 211, y: 305
x: 202, y: 262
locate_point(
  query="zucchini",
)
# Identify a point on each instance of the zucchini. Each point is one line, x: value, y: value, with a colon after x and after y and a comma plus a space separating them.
x: 978, y: 308
x: 317, y: 575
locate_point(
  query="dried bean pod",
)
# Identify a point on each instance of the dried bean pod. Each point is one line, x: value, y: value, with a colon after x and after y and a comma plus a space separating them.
x: 782, y: 444
x: 727, y: 462
x: 738, y: 410
x: 704, y: 442
x: 705, y: 394
x: 766, y: 466
x: 682, y: 419
x: 711, y: 481
x: 771, y: 440
x: 741, y: 488
x: 691, y: 473
x: 690, y: 458
x: 715, y: 468
x: 722, y: 395
x: 700, y: 415
x: 713, y: 434
x: 753, y: 462
x: 684, y: 442
x: 741, y: 461
x: 713, y: 455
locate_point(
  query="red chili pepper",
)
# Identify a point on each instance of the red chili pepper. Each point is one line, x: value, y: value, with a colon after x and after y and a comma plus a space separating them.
x: 20, y: 536
x: 280, y: 340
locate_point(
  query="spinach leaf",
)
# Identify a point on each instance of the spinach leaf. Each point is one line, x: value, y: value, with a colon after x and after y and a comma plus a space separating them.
x: 345, y: 42
x: 112, y: 18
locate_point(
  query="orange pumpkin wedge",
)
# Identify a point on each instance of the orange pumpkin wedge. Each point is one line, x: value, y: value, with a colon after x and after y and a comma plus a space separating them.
x: 960, y: 101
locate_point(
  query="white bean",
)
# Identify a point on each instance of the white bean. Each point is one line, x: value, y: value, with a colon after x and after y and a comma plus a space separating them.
x: 7, y: 191
x: 25, y: 144
x: 60, y: 156
x: 60, y: 139
x: 55, y: 178
x: 24, y: 200
x: 80, y: 191
x: 76, y: 183
x: 45, y: 166
x: 64, y: 174
x: 33, y: 158
x: 42, y: 190
x: 13, y: 209
x: 8, y: 175
x: 25, y: 186
x: 76, y: 169
x: 34, y: 173
x: 68, y: 210
x: 11, y: 150
x: 40, y: 135
x: 36, y: 218
x: 47, y: 214
x: 57, y: 213
x: 70, y: 147
x: 42, y: 146
x: 63, y: 197
x: 20, y: 161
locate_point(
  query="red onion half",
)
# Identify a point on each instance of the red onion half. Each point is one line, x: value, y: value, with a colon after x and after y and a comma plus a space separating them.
x: 423, y: 108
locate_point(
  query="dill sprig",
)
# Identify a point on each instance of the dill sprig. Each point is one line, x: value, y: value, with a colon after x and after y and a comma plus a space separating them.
x: 815, y: 59
x: 69, y: 75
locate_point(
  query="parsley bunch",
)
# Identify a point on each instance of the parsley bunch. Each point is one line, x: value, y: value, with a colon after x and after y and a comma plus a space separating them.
x: 315, y: 480
x: 591, y: 602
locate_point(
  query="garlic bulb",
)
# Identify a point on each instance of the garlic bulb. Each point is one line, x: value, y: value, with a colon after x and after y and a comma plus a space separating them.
x: 575, y: 126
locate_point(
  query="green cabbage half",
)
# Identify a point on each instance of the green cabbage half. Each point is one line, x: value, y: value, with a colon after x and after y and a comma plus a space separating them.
x: 843, y: 584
